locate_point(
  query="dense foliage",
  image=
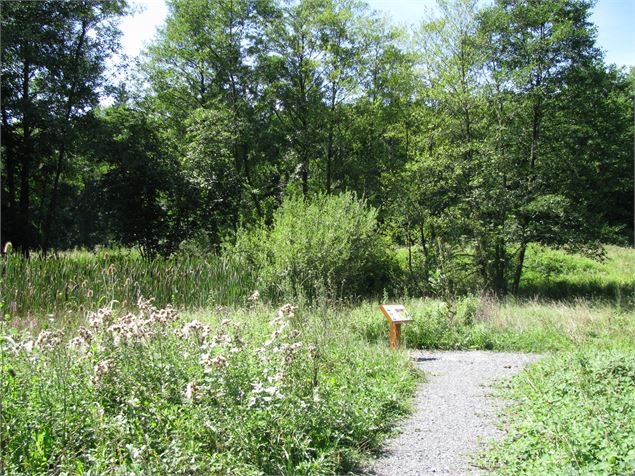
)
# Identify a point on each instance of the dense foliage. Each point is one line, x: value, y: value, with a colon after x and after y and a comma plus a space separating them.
x: 251, y: 392
x: 574, y: 414
x: 475, y: 135
x: 328, y: 247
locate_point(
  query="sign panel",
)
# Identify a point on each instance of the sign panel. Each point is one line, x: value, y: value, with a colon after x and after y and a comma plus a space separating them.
x: 395, y: 313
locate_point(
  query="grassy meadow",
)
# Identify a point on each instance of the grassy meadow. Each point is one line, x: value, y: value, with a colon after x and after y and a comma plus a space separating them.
x: 211, y: 378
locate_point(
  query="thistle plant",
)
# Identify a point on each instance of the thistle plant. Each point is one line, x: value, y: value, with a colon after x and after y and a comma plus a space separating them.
x: 149, y: 390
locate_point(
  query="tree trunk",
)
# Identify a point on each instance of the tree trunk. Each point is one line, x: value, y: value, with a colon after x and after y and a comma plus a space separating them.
x: 26, y: 157
x: 519, y: 266
x: 425, y: 249
x: 500, y: 265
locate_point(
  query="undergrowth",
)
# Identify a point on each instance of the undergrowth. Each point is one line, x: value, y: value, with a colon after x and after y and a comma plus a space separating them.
x: 573, y: 413
x: 234, y: 392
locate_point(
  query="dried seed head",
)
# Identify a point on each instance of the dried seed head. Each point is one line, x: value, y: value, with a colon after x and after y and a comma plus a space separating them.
x: 195, y: 328
x: 286, y: 312
x: 254, y: 298
x: 101, y: 370
x: 191, y: 391
x: 49, y: 339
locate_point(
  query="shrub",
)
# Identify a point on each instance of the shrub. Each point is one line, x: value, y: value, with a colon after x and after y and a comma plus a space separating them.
x: 328, y: 245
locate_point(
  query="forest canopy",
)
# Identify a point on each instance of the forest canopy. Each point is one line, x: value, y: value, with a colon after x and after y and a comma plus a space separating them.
x: 469, y: 137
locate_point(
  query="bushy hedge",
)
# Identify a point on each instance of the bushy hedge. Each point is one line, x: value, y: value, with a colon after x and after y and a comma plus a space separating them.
x: 326, y: 246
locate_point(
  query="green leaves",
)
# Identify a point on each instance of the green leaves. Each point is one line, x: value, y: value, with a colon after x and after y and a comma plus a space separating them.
x: 323, y: 247
x: 288, y: 396
x: 573, y: 413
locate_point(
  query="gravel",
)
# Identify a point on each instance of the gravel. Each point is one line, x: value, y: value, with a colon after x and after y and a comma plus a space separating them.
x: 455, y: 414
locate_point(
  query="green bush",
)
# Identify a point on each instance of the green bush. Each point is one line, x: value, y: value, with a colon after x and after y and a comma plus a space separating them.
x: 327, y: 246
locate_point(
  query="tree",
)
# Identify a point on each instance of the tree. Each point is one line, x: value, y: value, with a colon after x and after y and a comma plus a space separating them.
x: 209, y: 169
x: 139, y: 183
x: 54, y: 55
x: 534, y: 49
x: 206, y: 57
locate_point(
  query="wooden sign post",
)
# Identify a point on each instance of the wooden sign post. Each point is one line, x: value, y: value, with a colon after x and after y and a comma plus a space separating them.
x: 395, y: 315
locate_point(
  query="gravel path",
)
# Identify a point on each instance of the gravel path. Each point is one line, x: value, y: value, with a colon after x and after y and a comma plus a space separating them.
x: 455, y: 413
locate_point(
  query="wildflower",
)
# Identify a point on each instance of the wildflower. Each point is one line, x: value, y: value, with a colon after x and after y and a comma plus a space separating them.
x: 164, y: 316
x: 85, y: 334
x: 286, y: 312
x: 12, y: 345
x: 191, y: 390
x: 277, y: 378
x: 49, y: 339
x: 195, y: 328
x: 100, y: 318
x: 145, y: 305
x: 77, y: 343
x: 210, y: 363
x: 266, y: 393
x: 101, y: 370
x: 254, y: 298
x: 81, y: 341
x: 28, y: 346
x: 278, y: 332
x: 221, y: 309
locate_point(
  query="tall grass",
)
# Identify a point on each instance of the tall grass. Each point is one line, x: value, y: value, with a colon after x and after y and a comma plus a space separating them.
x: 554, y: 274
x: 78, y: 281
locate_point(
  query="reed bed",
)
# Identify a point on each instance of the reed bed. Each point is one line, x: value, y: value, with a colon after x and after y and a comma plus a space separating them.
x: 73, y: 282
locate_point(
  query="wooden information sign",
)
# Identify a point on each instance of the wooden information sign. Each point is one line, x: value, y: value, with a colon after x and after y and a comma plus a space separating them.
x: 395, y: 315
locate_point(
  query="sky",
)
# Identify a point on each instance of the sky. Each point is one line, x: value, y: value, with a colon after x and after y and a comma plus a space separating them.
x: 615, y: 20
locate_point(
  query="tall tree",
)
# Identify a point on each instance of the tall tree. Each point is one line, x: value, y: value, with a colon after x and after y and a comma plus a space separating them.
x: 54, y: 56
x: 534, y: 48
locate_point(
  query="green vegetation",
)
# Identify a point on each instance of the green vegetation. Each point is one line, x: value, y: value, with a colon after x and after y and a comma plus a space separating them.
x: 236, y: 392
x: 574, y: 414
x: 556, y: 275
x: 115, y: 397
x: 490, y: 129
x: 327, y: 247
x: 73, y: 283
x: 310, y: 149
